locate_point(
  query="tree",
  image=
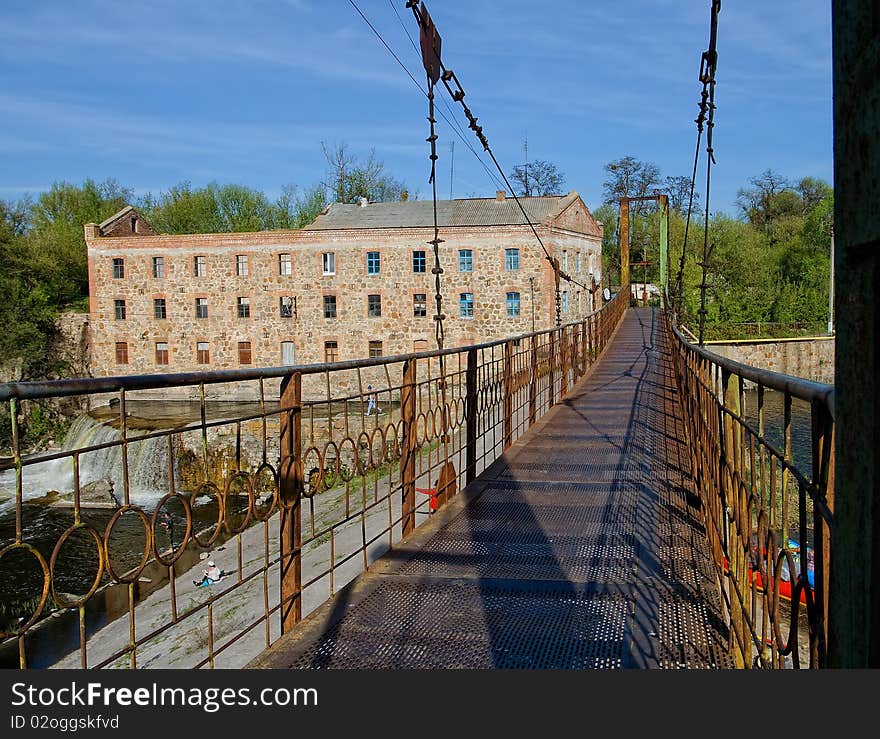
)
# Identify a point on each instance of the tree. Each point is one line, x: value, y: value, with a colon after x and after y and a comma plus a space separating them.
x: 538, y: 178
x: 183, y: 210
x: 55, y: 236
x: 629, y: 177
x: 348, y: 180
x: 293, y: 210
x: 769, y: 197
x: 679, y: 191
x: 812, y: 191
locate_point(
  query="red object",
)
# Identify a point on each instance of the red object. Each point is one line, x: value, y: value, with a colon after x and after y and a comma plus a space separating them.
x: 784, y: 585
x: 433, y: 493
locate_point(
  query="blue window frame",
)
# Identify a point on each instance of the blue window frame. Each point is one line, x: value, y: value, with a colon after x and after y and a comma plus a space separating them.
x: 511, y: 259
x: 419, y: 261
x: 513, y: 305
x: 466, y: 305
x: 465, y: 261
x: 373, y: 262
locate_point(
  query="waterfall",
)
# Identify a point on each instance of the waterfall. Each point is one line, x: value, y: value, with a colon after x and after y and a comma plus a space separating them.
x: 147, y: 465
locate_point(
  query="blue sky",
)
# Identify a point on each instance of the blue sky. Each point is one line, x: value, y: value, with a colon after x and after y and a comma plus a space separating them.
x: 153, y: 93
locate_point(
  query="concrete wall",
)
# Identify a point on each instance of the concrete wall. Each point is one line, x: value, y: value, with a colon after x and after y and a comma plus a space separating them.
x: 809, y: 358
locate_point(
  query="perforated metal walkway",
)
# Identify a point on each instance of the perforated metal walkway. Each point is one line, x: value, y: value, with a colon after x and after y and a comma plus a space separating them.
x: 578, y: 549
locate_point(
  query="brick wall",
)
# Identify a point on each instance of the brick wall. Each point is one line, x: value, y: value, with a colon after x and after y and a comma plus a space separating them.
x: 397, y: 327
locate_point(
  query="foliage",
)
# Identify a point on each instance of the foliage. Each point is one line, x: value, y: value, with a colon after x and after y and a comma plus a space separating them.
x: 772, y: 265
x: 348, y: 179
x: 538, y: 178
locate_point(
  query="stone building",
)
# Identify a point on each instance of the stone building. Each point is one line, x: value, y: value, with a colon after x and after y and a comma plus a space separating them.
x: 357, y: 282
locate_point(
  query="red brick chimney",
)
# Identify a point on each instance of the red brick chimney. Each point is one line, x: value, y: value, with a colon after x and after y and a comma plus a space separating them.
x: 500, y: 196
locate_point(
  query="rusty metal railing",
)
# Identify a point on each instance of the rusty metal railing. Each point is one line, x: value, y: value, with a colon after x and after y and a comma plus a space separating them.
x: 292, y: 495
x: 768, y: 504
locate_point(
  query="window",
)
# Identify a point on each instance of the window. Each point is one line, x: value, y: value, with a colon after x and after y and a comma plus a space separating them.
x: 420, y: 345
x: 565, y: 260
x: 203, y: 353
x: 511, y: 260
x: 244, y: 307
x: 159, y: 311
x: 119, y: 310
x: 244, y: 352
x: 375, y: 349
x: 241, y: 265
x: 201, y: 307
x: 158, y: 267
x: 328, y: 263
x: 418, y: 261
x: 200, y: 266
x: 466, y: 305
x: 420, y: 305
x: 285, y: 265
x: 512, y: 305
x: 121, y: 352
x: 118, y: 268
x: 374, y: 306
x: 590, y: 262
x: 577, y: 261
x: 329, y: 306
x: 134, y: 223
x: 565, y: 301
x: 161, y: 352
x: 373, y: 262
x: 331, y: 351
x: 465, y: 260
x: 287, y: 306
x: 287, y: 353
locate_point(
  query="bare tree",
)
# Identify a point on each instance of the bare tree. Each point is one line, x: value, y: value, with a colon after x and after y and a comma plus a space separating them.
x: 538, y: 178
x: 348, y: 180
x: 679, y: 191
x: 630, y: 177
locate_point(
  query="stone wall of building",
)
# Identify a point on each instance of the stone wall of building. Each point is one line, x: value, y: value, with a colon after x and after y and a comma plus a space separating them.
x: 398, y: 329
x: 809, y: 358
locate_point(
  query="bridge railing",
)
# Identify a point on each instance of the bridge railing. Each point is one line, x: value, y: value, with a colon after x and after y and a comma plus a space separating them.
x: 762, y: 448
x: 291, y: 494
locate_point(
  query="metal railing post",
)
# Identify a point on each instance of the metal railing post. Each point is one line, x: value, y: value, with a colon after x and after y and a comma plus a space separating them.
x: 508, y: 393
x: 471, y: 417
x: 291, y: 484
x: 533, y: 382
x: 551, y: 397
x: 408, y: 461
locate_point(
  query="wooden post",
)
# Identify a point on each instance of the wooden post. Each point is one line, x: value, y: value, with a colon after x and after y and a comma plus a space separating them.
x: 290, y: 489
x: 470, y: 410
x: 408, y: 458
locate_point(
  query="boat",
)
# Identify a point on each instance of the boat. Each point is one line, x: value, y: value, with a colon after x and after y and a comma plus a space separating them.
x: 785, y: 579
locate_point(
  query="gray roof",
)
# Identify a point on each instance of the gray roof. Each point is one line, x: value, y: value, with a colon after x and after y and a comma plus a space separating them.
x: 420, y: 213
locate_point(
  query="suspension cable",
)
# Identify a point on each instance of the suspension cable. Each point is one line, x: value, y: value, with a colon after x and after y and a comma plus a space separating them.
x: 457, y: 94
x: 708, y: 65
x: 708, y: 68
x: 453, y: 124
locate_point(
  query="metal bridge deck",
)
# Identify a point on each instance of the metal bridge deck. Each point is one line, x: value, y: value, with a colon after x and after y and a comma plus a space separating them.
x: 577, y: 549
